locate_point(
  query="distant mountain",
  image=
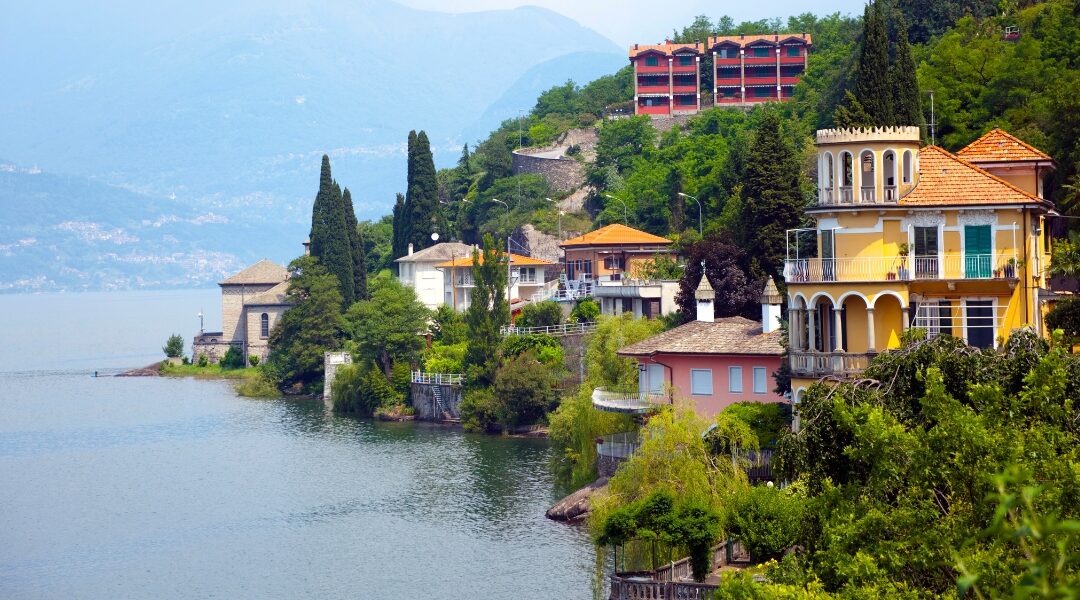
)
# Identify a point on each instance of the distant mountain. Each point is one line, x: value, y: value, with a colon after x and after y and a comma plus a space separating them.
x: 579, y: 67
x: 228, y: 110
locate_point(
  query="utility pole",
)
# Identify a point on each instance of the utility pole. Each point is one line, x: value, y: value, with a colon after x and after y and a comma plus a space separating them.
x: 699, y: 228
x: 623, y: 202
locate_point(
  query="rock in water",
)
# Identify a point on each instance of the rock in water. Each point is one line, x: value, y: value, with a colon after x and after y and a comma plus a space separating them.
x: 575, y: 507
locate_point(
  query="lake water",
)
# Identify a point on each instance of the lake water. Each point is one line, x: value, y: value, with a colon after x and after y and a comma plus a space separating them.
x: 171, y: 488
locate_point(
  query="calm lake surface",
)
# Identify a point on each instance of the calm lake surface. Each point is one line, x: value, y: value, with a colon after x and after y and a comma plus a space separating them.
x: 173, y: 488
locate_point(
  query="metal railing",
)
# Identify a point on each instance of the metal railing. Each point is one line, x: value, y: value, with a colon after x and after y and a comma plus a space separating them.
x: 1002, y: 265
x: 627, y: 402
x: 437, y: 378
x: 574, y: 290
x: 817, y: 364
x: 618, y: 445
x: 552, y: 330
x: 672, y: 582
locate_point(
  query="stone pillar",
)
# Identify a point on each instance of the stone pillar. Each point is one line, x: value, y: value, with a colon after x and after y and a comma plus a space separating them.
x: 742, y: 74
x: 870, y: 346
x: 715, y: 86
x: 779, y: 96
x: 697, y: 78
x: 905, y: 319
x: 811, y: 333
x: 838, y: 329
x: 331, y: 362
x: 671, y: 86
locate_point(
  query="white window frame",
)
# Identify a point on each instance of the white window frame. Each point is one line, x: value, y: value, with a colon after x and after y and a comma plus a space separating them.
x: 764, y: 380
x: 694, y: 390
x: 733, y: 379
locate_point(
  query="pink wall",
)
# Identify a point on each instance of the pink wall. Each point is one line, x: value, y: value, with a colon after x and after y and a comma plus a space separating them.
x: 709, y: 406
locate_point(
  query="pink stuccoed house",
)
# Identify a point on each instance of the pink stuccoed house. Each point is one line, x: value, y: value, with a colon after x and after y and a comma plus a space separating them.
x: 711, y: 362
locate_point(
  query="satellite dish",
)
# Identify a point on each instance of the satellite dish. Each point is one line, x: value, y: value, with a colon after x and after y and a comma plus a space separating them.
x: 435, y: 236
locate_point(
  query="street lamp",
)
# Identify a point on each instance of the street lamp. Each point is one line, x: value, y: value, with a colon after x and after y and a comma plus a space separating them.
x: 624, y: 219
x: 699, y: 230
x: 508, y: 273
x: 561, y: 213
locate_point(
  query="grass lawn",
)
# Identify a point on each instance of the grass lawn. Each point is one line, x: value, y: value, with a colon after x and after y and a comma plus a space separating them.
x: 208, y: 372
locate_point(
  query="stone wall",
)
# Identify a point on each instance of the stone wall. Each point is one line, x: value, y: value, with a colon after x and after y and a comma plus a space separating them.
x: 606, y: 465
x: 331, y: 362
x: 423, y: 400
x: 562, y: 174
x: 662, y: 123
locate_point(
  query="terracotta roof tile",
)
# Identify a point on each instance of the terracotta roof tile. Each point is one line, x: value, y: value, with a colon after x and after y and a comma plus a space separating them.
x: 997, y: 145
x: 264, y: 271
x: 665, y: 49
x: 731, y: 335
x: 613, y: 235
x: 515, y: 259
x: 743, y: 40
x: 947, y: 179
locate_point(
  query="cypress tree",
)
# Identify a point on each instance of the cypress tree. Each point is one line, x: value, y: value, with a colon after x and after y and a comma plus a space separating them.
x: 487, y: 311
x: 329, y: 238
x: 422, y: 198
x: 359, y: 257
x: 772, y: 196
x: 398, y: 244
x: 872, y: 78
x: 463, y: 162
x: 907, y: 105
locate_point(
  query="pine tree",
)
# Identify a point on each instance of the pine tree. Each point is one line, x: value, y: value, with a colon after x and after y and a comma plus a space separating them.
x: 872, y: 78
x: 330, y: 243
x: 422, y: 198
x: 488, y: 311
x: 850, y: 113
x: 463, y: 162
x: 772, y: 197
x: 359, y: 257
x: 907, y: 106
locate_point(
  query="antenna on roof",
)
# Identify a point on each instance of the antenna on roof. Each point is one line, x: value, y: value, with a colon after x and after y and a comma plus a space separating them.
x: 933, y: 124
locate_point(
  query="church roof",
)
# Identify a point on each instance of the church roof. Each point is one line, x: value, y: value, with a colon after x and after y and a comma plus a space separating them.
x: 997, y: 145
x: 439, y: 252
x: 947, y: 179
x: 615, y: 234
x: 264, y: 271
x: 728, y: 335
x: 274, y: 296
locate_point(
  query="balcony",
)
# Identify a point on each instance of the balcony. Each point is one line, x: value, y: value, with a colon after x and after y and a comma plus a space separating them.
x: 820, y: 364
x: 947, y: 266
x: 789, y: 80
x: 792, y: 60
x: 635, y: 403
x: 684, y: 70
x: 651, y: 87
x: 684, y: 89
x: 770, y: 80
x: 867, y: 196
x: 640, y: 68
x: 464, y: 280
x: 727, y: 62
x: 760, y: 60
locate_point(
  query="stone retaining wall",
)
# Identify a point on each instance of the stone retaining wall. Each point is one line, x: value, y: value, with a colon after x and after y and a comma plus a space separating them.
x: 423, y: 400
x: 562, y: 174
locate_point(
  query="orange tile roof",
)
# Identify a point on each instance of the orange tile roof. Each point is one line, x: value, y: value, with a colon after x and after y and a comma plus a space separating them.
x: 997, y: 145
x: 666, y: 49
x: 613, y: 235
x: 515, y: 259
x: 947, y: 179
x: 743, y: 40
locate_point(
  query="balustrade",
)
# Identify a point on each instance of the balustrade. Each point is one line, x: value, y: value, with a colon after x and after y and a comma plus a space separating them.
x: 1002, y: 265
x: 817, y: 364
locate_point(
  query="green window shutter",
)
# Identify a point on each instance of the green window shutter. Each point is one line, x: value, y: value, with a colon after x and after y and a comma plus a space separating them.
x: 977, y: 259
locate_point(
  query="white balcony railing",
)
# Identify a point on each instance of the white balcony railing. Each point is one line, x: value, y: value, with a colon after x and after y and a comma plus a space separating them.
x: 437, y: 378
x: 627, y: 402
x: 1001, y: 265
x: 867, y: 195
x: 819, y: 364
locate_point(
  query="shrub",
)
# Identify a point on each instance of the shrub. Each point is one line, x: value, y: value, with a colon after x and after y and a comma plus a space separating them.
x: 1066, y: 316
x: 767, y: 520
x: 204, y: 360
x: 174, y: 346
x: 540, y: 314
x: 585, y: 310
x: 445, y: 358
x: 523, y: 390
x: 769, y: 420
x: 362, y: 389
x: 254, y: 360
x: 479, y: 411
x: 449, y: 326
x: 260, y: 386
x: 233, y: 359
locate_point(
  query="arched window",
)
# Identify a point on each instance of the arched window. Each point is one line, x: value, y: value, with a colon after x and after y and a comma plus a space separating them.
x: 888, y: 167
x: 264, y: 324
x: 867, y: 178
x: 830, y: 170
x: 907, y: 166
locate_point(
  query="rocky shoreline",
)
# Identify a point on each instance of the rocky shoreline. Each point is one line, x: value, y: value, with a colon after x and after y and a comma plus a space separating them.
x: 575, y: 507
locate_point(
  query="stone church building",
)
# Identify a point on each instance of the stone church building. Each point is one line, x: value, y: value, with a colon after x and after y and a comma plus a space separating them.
x: 252, y: 301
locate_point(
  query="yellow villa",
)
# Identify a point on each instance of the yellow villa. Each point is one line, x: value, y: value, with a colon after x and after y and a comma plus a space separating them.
x: 914, y: 237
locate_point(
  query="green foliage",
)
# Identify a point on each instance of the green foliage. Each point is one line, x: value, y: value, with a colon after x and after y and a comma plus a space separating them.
x: 377, y: 240
x: 260, y: 386
x: 357, y: 249
x: 479, y: 409
x: 872, y: 81
x: 659, y: 267
x: 363, y: 388
x: 445, y: 358
x: 725, y: 265
x: 900, y: 470
x: 1065, y: 260
x: 331, y: 238
x: 586, y: 310
x: 233, y: 359
x: 768, y: 420
x: 204, y: 360
x: 768, y: 520
x: 524, y: 390
x: 312, y: 327
x: 448, y: 326
x: 389, y: 327
x: 540, y: 314
x: 488, y: 311
x: 540, y: 343
x: 620, y: 141
x: 253, y: 360
x: 174, y: 346
x: 575, y: 425
x: 1066, y: 316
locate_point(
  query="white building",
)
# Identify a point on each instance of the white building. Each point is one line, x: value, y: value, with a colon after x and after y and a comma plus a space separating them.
x: 419, y: 270
x: 528, y: 278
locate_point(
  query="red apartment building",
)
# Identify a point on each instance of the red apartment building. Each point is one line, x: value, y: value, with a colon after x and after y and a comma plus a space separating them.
x: 757, y: 68
x: 748, y: 69
x: 667, y: 78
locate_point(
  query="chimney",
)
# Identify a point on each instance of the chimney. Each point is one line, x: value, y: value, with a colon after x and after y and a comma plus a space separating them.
x: 410, y: 248
x: 307, y: 248
x: 770, y: 307
x: 635, y: 46
x: 704, y: 296
x: 776, y: 36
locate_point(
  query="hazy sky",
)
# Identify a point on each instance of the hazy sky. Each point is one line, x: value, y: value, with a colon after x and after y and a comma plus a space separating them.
x: 647, y: 21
